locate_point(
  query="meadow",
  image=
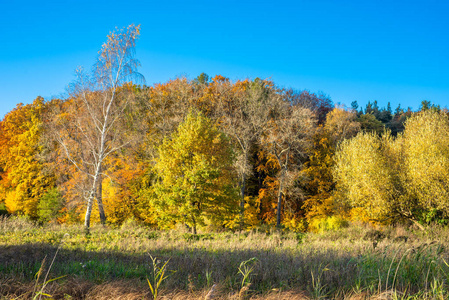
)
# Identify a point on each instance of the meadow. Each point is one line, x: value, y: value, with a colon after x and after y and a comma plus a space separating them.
x: 134, y: 262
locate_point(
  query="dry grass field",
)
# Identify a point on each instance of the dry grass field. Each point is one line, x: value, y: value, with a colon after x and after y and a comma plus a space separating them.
x: 135, y: 262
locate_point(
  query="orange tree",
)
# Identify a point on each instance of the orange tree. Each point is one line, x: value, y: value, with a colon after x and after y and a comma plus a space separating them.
x: 25, y: 179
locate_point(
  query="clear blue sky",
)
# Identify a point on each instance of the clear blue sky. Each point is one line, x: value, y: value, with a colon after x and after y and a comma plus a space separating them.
x: 395, y: 51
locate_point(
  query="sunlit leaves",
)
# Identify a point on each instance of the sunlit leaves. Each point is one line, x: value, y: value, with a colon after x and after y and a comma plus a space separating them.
x: 396, y: 179
x: 195, y: 167
x: 25, y: 179
x: 426, y: 146
x: 363, y: 177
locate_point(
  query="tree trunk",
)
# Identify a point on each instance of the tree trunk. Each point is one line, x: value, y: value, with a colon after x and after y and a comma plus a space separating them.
x: 88, y: 211
x: 194, y: 225
x: 284, y: 169
x: 90, y: 201
x: 242, y: 202
x: 100, y: 199
x: 279, y: 207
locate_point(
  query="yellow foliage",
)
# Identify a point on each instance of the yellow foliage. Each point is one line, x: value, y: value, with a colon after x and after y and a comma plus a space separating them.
x: 382, y: 179
x: 251, y: 214
x: 252, y: 210
x: 116, y: 202
x: 73, y: 215
x: 426, y: 146
x: 12, y: 202
x: 293, y: 223
x: 363, y: 175
x: 322, y: 224
x: 25, y: 181
x: 341, y: 124
x: 359, y: 214
x: 318, y: 180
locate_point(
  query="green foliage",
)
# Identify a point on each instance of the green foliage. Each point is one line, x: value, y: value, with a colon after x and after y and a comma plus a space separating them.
x: 427, y: 105
x: 157, y: 276
x: 203, y: 78
x: 434, y: 216
x: 246, y: 268
x: 50, y: 205
x: 3, y: 210
x: 369, y: 123
x: 196, y: 176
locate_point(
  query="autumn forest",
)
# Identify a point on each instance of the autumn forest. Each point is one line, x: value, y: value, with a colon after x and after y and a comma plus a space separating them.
x: 213, y: 154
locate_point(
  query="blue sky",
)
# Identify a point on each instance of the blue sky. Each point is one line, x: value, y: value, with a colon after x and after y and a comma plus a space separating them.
x: 395, y: 51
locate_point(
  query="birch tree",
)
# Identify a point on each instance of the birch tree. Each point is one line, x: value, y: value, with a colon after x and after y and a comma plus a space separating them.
x: 90, y: 131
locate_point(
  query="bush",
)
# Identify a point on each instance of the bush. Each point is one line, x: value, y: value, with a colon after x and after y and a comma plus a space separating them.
x: 3, y: 210
x: 50, y: 205
x: 328, y: 224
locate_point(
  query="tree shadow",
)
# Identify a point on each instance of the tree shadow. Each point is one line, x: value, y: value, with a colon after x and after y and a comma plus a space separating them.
x: 326, y: 271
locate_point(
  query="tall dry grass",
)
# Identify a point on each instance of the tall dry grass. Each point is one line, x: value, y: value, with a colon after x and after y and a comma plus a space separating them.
x: 354, y: 263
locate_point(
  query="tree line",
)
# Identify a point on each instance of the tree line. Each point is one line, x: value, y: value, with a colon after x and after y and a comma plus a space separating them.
x: 213, y: 153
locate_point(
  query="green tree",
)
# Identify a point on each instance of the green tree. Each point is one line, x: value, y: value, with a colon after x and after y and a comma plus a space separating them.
x: 49, y: 205
x: 368, y: 122
x: 196, y: 176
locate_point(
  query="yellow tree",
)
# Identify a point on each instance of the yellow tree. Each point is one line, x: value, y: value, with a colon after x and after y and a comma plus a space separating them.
x: 341, y: 124
x: 121, y: 187
x: 196, y: 176
x: 398, y: 179
x: 25, y: 179
x: 318, y: 182
x: 364, y: 178
x: 426, y: 161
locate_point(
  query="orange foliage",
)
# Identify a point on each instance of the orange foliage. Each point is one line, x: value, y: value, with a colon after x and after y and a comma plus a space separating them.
x: 23, y: 179
x: 119, y: 195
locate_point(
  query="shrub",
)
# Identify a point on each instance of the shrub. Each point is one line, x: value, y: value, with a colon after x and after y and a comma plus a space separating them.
x: 328, y: 223
x: 3, y: 210
x: 50, y: 205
